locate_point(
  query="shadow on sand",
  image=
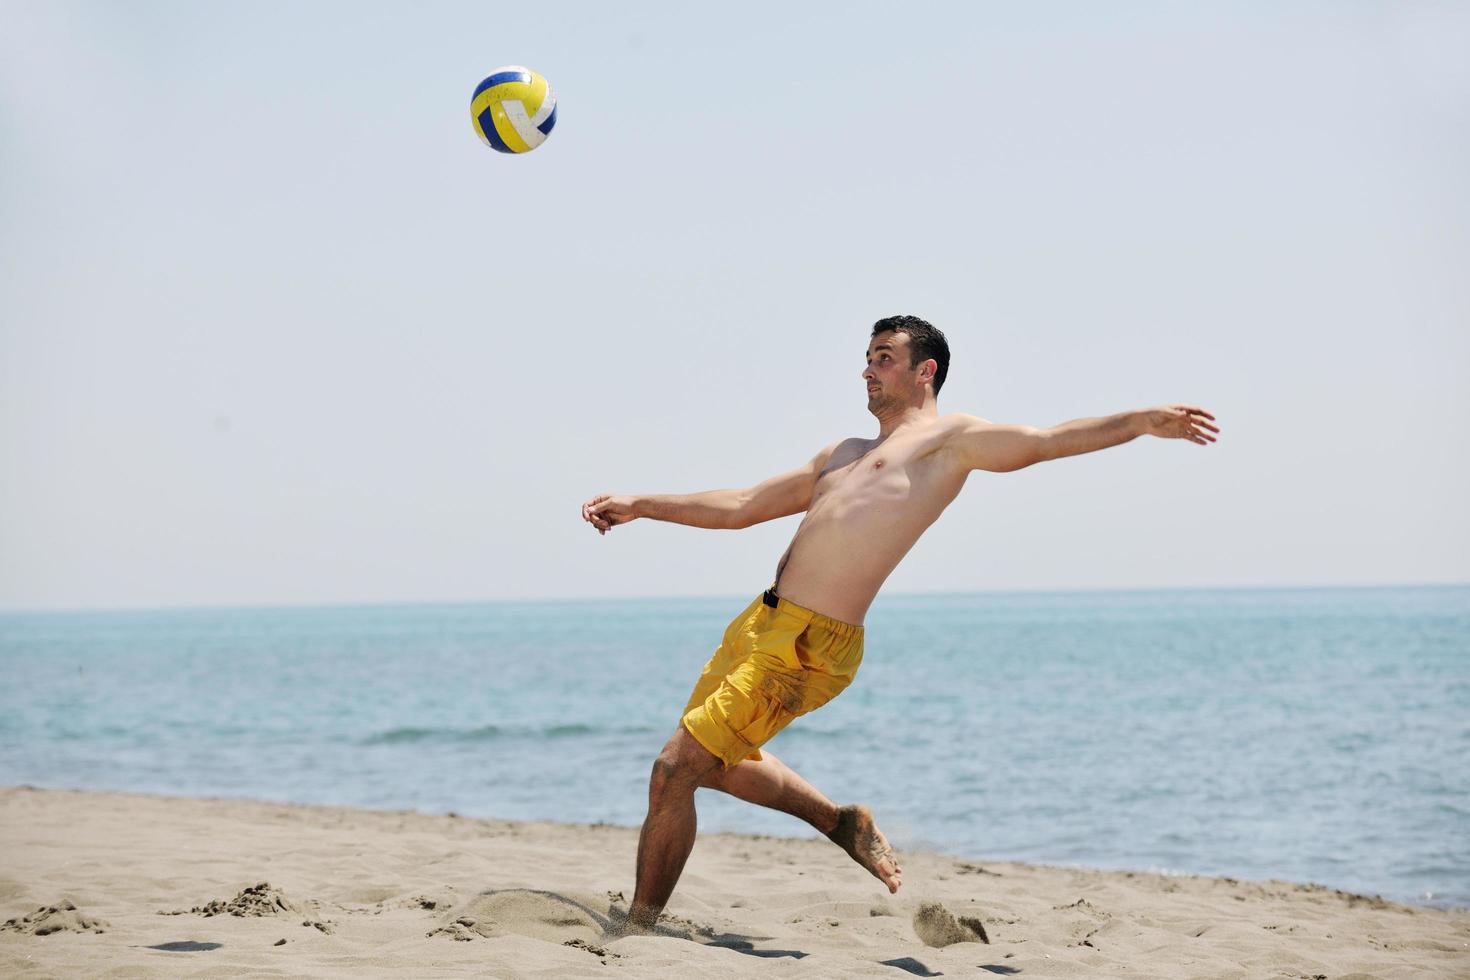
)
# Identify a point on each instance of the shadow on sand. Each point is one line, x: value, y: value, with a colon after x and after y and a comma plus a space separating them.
x: 918, y: 969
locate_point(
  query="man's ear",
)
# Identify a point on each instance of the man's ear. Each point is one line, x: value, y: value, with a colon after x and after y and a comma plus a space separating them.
x: 928, y: 369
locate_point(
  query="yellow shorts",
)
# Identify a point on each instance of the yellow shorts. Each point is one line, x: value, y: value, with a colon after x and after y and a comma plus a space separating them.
x: 775, y: 663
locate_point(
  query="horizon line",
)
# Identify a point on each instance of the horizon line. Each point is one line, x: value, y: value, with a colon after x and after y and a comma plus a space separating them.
x: 713, y: 596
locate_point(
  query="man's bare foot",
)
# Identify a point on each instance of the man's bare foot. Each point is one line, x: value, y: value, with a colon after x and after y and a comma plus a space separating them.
x: 859, y: 836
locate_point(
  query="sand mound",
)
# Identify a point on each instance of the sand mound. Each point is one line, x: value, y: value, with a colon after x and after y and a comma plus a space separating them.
x: 937, y: 926
x: 261, y: 900
x: 548, y: 916
x: 47, y: 919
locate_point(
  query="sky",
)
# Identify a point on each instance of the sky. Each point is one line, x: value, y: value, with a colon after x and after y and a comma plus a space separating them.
x: 277, y: 328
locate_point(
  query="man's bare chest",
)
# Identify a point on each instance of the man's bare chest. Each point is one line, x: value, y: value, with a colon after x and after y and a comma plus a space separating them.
x: 884, y: 472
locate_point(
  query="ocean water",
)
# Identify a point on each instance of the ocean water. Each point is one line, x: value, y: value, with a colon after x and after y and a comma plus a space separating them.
x: 1312, y: 735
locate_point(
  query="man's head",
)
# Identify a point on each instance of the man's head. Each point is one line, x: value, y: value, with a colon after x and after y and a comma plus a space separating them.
x: 906, y: 355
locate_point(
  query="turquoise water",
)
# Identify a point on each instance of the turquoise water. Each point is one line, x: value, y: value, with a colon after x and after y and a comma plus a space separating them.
x: 1314, y: 735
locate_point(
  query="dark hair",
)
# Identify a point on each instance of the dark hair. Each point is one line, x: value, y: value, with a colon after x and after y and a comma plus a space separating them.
x: 925, y: 341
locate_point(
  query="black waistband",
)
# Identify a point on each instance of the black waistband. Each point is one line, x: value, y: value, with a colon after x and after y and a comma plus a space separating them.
x: 770, y: 598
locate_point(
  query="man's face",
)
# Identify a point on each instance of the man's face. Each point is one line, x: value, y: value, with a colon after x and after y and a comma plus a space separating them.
x: 888, y: 376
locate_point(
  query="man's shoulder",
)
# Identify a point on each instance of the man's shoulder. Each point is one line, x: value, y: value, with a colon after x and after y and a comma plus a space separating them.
x: 956, y: 436
x: 961, y: 423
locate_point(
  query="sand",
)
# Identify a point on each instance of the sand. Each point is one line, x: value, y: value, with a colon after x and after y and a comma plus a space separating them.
x: 127, y: 885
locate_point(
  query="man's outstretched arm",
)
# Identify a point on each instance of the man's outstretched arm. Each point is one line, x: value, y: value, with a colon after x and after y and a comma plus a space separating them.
x: 1002, y: 448
x: 789, y: 493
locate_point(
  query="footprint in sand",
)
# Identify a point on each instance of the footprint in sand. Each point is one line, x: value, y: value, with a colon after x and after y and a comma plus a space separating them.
x: 937, y: 926
x: 564, y: 919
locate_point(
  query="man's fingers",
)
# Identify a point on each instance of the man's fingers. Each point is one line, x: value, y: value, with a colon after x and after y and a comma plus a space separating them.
x: 1188, y: 422
x: 1195, y: 428
x: 591, y: 513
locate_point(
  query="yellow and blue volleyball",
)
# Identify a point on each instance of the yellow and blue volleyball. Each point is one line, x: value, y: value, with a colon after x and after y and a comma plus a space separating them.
x: 513, y: 110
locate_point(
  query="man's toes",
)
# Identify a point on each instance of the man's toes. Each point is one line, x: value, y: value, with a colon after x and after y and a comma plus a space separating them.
x: 891, y: 875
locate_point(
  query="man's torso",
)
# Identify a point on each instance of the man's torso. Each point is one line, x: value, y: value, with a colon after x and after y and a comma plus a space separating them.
x: 872, y: 502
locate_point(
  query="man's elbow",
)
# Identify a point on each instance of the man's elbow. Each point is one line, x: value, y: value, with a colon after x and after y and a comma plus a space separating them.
x: 742, y: 514
x: 1040, y: 447
x: 1015, y: 463
x: 758, y: 508
x: 749, y: 517
x: 1034, y: 446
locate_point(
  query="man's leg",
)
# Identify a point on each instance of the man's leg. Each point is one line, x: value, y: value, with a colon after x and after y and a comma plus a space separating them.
x: 668, y: 830
x: 771, y: 783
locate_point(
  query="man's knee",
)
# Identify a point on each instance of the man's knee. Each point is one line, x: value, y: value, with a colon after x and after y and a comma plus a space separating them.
x: 667, y: 780
x: 666, y: 769
x: 682, y: 766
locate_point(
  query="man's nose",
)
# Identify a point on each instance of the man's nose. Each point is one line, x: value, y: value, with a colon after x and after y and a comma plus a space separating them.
x: 868, y: 374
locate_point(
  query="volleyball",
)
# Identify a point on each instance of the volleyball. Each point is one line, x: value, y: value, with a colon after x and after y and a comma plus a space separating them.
x: 513, y: 109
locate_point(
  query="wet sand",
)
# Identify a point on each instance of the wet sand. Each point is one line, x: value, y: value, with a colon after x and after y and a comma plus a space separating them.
x: 127, y: 885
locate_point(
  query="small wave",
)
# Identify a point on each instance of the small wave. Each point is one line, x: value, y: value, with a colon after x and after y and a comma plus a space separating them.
x: 486, y: 733
x: 558, y: 731
x: 399, y: 736
x: 803, y: 732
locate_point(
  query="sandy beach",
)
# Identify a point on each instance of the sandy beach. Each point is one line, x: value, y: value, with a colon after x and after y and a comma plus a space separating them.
x: 127, y: 885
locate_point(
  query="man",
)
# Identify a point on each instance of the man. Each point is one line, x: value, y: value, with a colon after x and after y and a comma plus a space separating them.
x: 796, y: 647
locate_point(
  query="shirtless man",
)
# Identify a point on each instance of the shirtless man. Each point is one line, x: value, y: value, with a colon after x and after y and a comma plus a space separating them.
x: 797, y: 646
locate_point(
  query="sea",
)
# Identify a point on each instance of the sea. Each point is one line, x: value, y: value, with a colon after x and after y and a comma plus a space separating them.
x: 1314, y: 735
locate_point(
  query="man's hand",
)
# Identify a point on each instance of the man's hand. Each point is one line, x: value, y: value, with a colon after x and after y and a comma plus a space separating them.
x: 1180, y: 422
x: 605, y: 511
